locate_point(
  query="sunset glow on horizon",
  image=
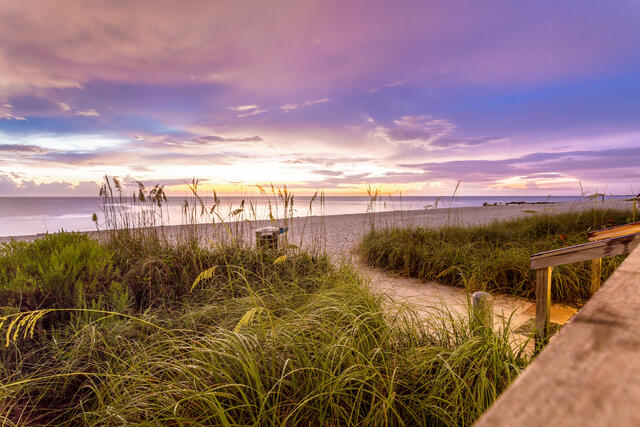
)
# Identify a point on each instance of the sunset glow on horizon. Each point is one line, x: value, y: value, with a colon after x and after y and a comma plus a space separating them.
x: 506, y: 97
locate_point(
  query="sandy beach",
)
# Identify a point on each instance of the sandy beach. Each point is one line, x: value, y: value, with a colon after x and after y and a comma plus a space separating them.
x: 339, y: 234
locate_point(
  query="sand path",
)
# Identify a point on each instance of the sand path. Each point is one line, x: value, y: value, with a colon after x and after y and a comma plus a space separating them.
x: 342, y: 234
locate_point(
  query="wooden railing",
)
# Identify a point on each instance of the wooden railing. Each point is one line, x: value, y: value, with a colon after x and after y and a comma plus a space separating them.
x: 612, y: 241
x: 590, y: 373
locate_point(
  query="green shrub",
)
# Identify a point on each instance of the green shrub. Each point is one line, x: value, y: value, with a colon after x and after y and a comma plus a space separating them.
x: 57, y: 271
x: 493, y: 257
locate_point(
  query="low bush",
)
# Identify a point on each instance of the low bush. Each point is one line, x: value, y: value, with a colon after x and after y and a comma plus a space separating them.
x: 56, y: 271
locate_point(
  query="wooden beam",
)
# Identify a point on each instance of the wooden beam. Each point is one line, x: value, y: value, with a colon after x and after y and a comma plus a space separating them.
x: 596, y: 274
x: 620, y: 230
x: 543, y: 306
x: 586, y: 251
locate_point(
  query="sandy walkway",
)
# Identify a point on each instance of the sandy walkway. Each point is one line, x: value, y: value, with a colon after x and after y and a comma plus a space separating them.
x: 339, y: 235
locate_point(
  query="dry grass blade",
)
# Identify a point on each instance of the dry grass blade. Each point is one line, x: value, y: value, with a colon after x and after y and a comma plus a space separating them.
x: 280, y: 259
x: 205, y: 275
x: 249, y: 317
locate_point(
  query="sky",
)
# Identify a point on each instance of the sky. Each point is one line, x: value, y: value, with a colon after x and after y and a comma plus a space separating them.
x: 505, y: 97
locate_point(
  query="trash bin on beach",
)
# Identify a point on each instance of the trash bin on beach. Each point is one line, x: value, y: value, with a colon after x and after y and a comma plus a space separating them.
x: 267, y: 237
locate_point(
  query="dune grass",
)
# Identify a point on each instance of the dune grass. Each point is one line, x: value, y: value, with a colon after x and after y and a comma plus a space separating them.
x: 258, y: 341
x: 298, y: 342
x: 494, y: 257
x: 139, y: 327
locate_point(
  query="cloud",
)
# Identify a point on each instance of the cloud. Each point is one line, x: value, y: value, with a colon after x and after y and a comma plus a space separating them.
x: 243, y: 108
x: 386, y: 85
x: 171, y: 142
x: 87, y: 113
x: 9, y: 116
x: 288, y: 107
x: 326, y: 160
x: 130, y: 181
x: 588, y: 165
x: 316, y: 101
x: 20, y: 148
x: 6, y: 113
x: 215, y: 138
x: 420, y: 128
x: 419, y: 135
x: 186, y: 80
x: 48, y: 46
x: 342, y: 180
x: 544, y: 171
x: 543, y: 175
x: 447, y: 142
x: 11, y: 187
x: 252, y: 113
x: 114, y: 161
x: 327, y: 172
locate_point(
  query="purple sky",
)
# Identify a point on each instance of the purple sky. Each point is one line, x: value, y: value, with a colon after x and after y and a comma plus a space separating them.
x: 509, y: 97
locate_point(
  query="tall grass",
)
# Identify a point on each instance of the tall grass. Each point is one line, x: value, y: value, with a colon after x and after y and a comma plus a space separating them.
x: 147, y: 325
x: 334, y: 355
x: 494, y: 257
x: 139, y: 261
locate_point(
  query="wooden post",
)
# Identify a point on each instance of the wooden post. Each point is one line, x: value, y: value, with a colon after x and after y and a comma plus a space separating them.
x: 482, y: 310
x: 596, y: 273
x: 543, y: 306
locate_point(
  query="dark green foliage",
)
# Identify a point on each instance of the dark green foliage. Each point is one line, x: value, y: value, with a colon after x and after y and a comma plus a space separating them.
x: 59, y: 270
x: 157, y: 273
x: 494, y: 257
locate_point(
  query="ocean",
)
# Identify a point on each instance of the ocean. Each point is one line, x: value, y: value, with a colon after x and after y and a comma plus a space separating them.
x: 34, y: 215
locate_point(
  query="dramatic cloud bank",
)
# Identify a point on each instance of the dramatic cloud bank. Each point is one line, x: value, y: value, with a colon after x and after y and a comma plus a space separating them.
x: 509, y: 97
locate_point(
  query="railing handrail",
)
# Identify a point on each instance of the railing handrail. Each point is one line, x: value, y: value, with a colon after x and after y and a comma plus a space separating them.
x: 618, y: 230
x: 544, y: 262
x: 585, y: 251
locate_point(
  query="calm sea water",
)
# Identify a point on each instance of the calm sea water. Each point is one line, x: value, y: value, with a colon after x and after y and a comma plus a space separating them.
x: 33, y: 215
